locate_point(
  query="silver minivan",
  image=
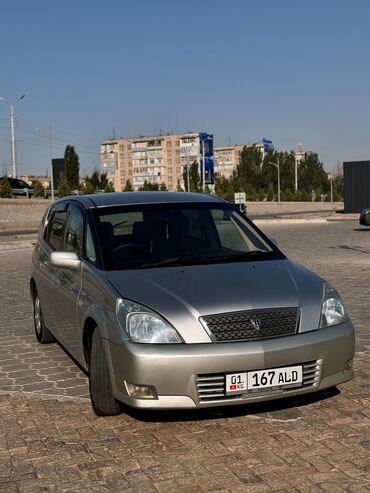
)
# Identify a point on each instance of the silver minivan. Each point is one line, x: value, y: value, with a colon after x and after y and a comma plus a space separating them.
x: 177, y: 300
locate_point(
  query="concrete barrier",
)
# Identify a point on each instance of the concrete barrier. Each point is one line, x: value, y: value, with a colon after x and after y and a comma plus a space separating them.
x: 18, y: 213
x: 21, y: 213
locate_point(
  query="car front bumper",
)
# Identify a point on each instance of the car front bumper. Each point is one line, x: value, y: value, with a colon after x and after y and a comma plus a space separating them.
x: 175, y: 370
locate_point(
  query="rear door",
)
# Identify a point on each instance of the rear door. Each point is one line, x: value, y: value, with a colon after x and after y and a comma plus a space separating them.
x: 46, y: 274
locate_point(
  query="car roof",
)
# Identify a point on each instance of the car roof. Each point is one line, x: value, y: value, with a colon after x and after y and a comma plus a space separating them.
x: 132, y: 198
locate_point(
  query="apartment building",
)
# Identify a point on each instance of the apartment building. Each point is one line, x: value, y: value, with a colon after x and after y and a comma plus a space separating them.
x: 159, y: 159
x: 227, y: 158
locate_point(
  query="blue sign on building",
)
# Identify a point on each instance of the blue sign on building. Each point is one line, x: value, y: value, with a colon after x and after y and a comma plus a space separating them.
x: 267, y: 145
x: 209, y: 165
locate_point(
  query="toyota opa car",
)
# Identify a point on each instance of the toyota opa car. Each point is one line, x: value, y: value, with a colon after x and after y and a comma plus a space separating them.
x: 177, y: 300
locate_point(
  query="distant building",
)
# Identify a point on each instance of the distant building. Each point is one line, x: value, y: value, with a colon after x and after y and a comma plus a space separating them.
x: 159, y: 159
x: 44, y: 180
x: 227, y: 158
x: 356, y: 176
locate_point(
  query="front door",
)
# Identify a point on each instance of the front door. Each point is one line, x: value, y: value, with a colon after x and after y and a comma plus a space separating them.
x: 69, y: 284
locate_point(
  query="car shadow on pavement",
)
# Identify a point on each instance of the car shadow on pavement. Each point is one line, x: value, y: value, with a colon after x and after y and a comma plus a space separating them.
x: 283, y: 409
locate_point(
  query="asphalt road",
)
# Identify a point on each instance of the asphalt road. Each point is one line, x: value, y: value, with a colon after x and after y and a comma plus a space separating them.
x: 50, y: 440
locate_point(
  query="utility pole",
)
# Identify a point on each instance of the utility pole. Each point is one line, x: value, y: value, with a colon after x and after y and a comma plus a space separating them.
x: 49, y: 136
x: 12, y: 130
x: 203, y: 168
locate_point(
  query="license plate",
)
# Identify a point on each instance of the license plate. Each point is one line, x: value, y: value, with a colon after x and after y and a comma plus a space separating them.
x: 272, y: 379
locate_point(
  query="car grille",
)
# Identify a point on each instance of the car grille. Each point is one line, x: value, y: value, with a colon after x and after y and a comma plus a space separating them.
x: 212, y: 387
x: 252, y: 325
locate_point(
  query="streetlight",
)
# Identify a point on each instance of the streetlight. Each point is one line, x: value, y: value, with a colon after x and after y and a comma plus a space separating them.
x: 277, y: 166
x: 12, y: 129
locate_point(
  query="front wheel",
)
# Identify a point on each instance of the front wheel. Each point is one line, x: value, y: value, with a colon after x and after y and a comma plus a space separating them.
x: 43, y: 334
x: 101, y: 395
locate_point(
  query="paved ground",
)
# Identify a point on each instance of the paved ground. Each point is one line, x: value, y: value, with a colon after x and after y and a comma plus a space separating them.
x: 51, y: 441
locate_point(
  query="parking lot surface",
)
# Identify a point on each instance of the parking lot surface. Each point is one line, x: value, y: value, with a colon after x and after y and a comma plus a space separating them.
x: 51, y: 441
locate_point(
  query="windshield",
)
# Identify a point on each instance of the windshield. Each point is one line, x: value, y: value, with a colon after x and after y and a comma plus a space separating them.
x: 154, y: 235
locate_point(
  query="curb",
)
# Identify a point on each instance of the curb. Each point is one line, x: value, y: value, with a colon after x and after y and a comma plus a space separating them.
x: 322, y: 220
x: 290, y: 221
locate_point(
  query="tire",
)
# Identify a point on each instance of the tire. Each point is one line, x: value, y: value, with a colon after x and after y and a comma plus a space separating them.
x: 101, y: 395
x: 43, y: 334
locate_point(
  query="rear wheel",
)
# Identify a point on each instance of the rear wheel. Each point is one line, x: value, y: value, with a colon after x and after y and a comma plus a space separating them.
x: 43, y: 334
x: 101, y: 395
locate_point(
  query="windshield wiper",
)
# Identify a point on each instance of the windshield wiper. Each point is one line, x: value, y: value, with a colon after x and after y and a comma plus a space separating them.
x: 237, y: 258
x: 201, y: 259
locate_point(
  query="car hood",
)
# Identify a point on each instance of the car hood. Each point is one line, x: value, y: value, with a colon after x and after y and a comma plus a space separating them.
x: 184, y: 294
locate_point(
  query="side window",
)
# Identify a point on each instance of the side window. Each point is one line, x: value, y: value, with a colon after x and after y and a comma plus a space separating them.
x: 54, y: 229
x: 73, y: 235
x: 90, y: 248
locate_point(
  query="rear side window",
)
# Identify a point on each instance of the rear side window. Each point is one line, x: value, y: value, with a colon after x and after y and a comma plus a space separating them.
x: 54, y: 230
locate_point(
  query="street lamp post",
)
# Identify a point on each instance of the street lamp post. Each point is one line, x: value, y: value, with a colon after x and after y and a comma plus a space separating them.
x: 277, y: 166
x: 295, y: 173
x: 12, y: 130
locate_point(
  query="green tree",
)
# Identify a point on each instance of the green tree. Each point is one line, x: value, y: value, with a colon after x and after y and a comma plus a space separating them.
x: 71, y: 167
x: 194, y: 178
x: 94, y: 180
x: 104, y: 181
x: 64, y: 189
x: 311, y: 174
x: 98, y: 182
x: 163, y: 187
x: 128, y: 187
x: 178, y: 188
x: 89, y: 187
x: 250, y: 167
x: 149, y: 187
x: 5, y: 188
x: 270, y: 192
x: 109, y: 187
x: 38, y: 189
x: 195, y: 185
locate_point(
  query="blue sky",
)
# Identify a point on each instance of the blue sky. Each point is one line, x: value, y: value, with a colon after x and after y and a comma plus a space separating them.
x: 289, y: 70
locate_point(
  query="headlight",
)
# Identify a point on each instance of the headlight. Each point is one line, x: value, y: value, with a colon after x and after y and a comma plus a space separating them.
x: 332, y: 311
x: 144, y: 326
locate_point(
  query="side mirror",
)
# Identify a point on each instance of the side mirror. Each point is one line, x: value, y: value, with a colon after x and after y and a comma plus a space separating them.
x: 66, y: 260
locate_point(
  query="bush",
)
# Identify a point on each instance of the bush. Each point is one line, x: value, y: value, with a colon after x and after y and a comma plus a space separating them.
x: 5, y: 188
x: 38, y: 189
